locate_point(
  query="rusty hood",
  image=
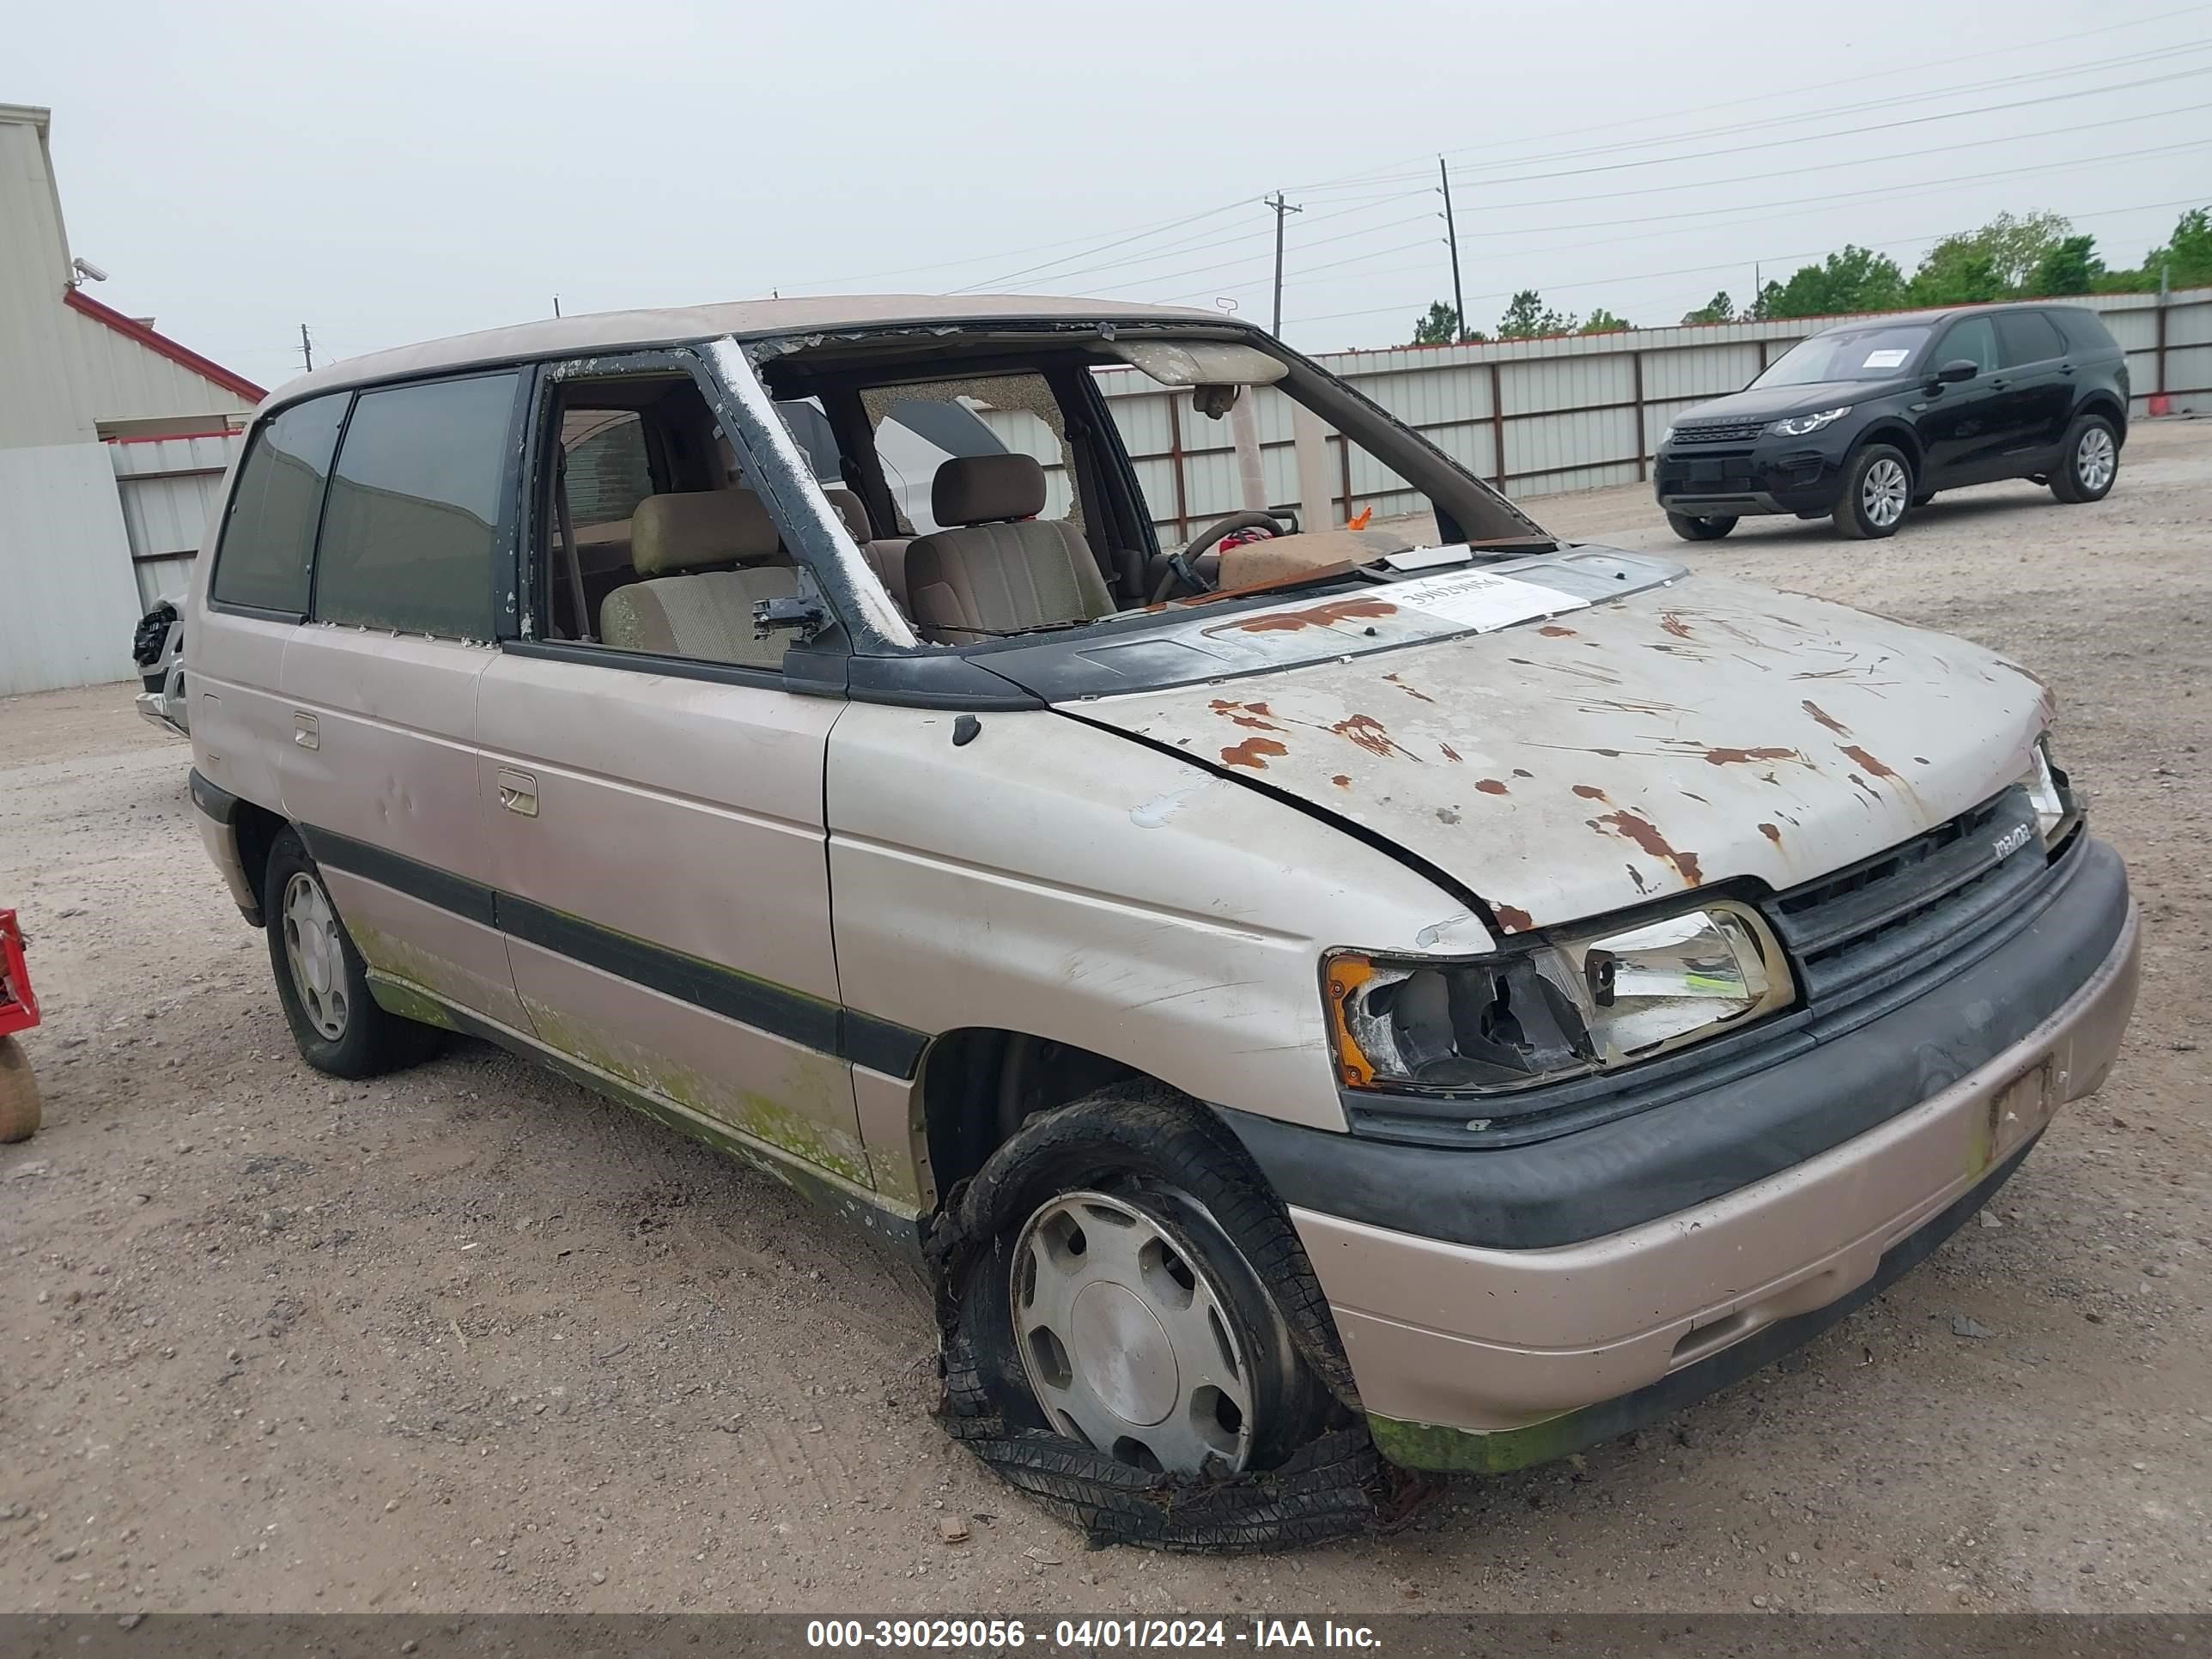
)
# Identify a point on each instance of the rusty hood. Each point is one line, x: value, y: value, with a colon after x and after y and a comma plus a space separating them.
x: 1564, y: 767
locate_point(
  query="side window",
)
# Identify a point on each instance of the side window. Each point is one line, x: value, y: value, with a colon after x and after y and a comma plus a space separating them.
x: 1974, y: 339
x: 267, y: 541
x: 407, y: 539
x: 2028, y: 337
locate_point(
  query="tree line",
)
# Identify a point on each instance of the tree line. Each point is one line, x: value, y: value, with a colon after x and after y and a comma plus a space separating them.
x: 2031, y: 256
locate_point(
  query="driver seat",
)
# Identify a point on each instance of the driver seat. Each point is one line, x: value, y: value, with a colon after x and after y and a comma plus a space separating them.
x: 1000, y: 568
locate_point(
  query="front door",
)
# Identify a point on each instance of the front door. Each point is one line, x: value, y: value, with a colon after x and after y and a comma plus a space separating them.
x: 379, y: 764
x: 1967, y: 425
x: 655, y: 793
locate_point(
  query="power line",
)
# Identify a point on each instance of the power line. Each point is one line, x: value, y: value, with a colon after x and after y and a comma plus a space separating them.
x: 1784, y: 173
x: 1728, y: 264
x: 2102, y: 30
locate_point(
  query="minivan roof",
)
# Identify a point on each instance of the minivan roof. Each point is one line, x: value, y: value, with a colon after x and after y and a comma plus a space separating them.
x: 614, y: 331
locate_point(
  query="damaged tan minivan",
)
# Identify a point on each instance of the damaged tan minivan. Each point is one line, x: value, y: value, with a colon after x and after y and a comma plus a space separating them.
x: 1307, y: 993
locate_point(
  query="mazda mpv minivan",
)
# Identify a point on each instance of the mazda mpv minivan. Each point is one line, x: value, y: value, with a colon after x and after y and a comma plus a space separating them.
x: 1457, y: 990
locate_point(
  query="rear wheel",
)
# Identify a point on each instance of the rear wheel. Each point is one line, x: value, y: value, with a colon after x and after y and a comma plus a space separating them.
x: 1693, y: 528
x: 1877, y: 491
x: 2090, y: 464
x: 321, y: 979
x: 19, y: 1093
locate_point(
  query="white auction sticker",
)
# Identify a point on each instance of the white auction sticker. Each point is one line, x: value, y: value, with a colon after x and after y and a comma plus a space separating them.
x: 1481, y: 600
x: 1888, y: 357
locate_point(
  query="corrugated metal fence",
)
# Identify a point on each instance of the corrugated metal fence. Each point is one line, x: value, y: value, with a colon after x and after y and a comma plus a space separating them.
x: 1541, y: 416
x: 168, y: 488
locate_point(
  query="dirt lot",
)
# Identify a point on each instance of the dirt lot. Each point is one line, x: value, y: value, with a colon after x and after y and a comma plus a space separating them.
x: 470, y: 1339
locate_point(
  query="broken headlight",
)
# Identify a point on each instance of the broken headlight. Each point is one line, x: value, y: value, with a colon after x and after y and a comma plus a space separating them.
x: 1541, y: 1012
x: 2056, y: 812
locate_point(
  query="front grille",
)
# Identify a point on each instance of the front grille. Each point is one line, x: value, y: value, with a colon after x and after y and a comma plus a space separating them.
x: 1737, y: 432
x: 1860, y: 930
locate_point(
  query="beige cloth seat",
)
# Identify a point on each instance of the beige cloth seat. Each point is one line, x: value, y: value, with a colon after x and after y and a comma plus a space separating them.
x: 706, y: 615
x: 1000, y: 568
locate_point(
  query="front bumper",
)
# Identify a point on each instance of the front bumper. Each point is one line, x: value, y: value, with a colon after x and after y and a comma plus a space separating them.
x: 1772, y: 476
x: 1479, y: 1359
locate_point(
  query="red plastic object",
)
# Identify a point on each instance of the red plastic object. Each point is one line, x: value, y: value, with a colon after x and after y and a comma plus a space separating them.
x: 19, y: 1008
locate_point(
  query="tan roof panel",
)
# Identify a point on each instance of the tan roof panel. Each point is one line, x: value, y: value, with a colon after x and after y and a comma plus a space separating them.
x: 614, y: 330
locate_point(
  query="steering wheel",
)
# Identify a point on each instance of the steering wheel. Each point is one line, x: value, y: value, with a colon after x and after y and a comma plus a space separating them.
x: 1182, y: 567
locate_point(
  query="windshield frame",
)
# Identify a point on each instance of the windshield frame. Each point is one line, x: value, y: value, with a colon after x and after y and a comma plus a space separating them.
x: 860, y: 620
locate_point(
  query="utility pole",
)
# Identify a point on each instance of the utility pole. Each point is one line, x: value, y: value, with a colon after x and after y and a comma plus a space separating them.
x: 307, y: 350
x: 556, y: 305
x: 1281, y: 208
x: 1451, y: 235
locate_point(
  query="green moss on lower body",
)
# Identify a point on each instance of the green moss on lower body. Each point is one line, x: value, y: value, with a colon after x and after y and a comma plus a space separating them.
x: 1462, y: 1451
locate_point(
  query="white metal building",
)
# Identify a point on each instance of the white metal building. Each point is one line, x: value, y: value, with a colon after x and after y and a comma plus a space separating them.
x: 100, y: 417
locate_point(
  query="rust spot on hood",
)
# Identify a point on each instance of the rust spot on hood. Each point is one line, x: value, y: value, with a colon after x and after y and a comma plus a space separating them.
x: 1672, y: 622
x: 1341, y: 780
x: 1318, y: 616
x: 1645, y: 835
x: 1408, y: 689
x: 1370, y: 734
x: 1492, y: 787
x: 1772, y: 832
x: 1254, y: 752
x: 1825, y: 718
x: 1739, y: 757
x: 1451, y: 753
x: 1869, y: 762
x: 1513, y: 920
x: 1589, y: 792
x: 1256, y: 716
x: 1553, y: 631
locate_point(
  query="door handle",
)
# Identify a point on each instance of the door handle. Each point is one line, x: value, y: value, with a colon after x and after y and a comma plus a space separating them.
x: 517, y: 792
x: 1999, y: 386
x: 307, y: 730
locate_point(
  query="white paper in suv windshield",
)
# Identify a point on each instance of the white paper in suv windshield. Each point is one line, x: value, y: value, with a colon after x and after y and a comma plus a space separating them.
x: 1480, y: 600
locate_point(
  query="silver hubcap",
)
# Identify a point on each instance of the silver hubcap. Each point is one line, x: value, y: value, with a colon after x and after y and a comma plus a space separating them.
x: 311, y: 946
x: 1125, y: 1343
x: 2093, y: 459
x: 1883, y: 493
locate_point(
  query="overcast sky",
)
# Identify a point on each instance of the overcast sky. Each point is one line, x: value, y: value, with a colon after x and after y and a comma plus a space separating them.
x: 395, y: 171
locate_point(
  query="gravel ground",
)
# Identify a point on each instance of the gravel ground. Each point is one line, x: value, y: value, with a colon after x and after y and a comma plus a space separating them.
x: 469, y: 1339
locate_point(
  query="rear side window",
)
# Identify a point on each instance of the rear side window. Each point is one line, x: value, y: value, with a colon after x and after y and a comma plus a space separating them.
x: 266, y: 543
x: 608, y: 474
x: 2086, y: 331
x: 407, y: 540
x: 2027, y: 336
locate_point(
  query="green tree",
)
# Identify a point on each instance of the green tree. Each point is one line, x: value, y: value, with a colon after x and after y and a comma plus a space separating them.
x: 1718, y: 309
x: 2070, y: 267
x: 1853, y: 279
x: 1439, y: 327
x: 2000, y: 259
x: 1602, y: 321
x: 2186, y: 256
x: 1527, y: 318
x: 1956, y: 272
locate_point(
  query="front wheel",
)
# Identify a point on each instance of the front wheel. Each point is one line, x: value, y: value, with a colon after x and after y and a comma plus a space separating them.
x: 1877, y: 490
x: 321, y: 979
x: 1693, y: 528
x: 1133, y: 1336
x: 2091, y: 462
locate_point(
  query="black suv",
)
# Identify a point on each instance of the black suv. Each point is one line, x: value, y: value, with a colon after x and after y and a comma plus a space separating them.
x: 1871, y: 417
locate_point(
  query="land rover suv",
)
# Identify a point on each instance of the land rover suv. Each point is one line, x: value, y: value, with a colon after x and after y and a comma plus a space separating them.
x: 1867, y: 420
x: 1447, y: 992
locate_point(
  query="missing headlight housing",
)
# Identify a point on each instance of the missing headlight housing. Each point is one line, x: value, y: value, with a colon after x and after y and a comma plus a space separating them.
x: 2051, y: 791
x: 1553, y: 1010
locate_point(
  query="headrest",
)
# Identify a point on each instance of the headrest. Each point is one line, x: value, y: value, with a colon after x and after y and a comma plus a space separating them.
x: 848, y: 508
x: 987, y: 489
x: 669, y: 533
